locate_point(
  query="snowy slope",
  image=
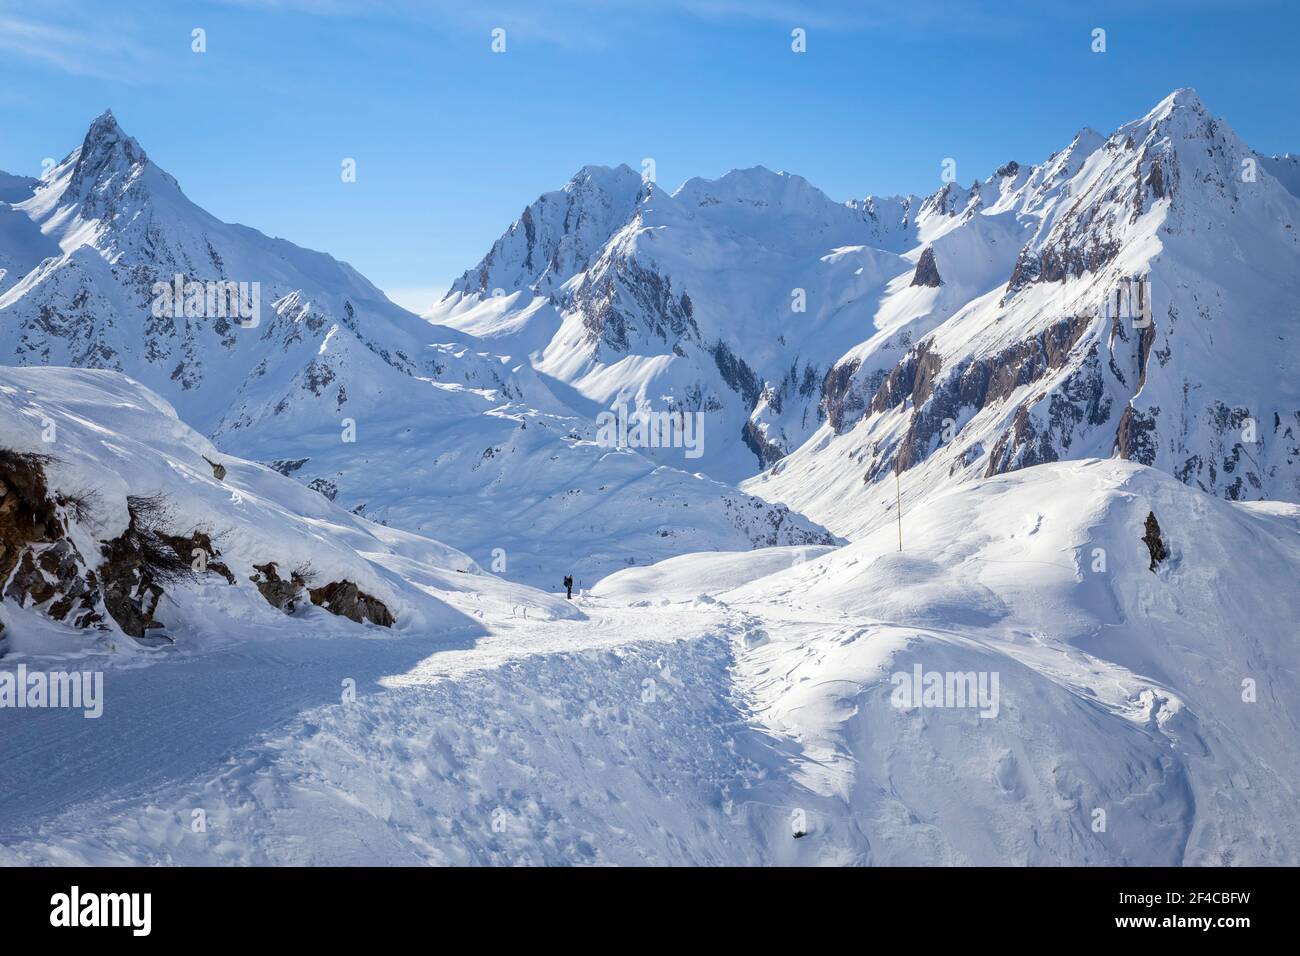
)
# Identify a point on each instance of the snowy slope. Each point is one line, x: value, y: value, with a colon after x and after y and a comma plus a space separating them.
x: 1121, y: 689
x: 705, y: 732
x: 1059, y: 362
x: 111, y: 438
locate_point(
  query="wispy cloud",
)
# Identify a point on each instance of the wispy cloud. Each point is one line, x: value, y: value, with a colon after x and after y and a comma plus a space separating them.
x: 100, y: 54
x: 577, y: 22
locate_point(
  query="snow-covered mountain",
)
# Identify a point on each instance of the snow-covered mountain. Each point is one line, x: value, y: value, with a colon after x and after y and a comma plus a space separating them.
x: 114, y: 226
x: 1130, y: 295
x: 1148, y: 315
x: 310, y: 367
x: 728, y: 298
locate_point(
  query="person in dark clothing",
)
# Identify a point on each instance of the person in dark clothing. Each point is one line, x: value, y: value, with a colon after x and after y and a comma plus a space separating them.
x: 568, y: 585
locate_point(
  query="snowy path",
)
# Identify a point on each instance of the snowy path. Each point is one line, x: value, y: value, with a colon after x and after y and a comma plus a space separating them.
x: 607, y: 626
x: 168, y: 720
x: 605, y: 740
x: 666, y: 734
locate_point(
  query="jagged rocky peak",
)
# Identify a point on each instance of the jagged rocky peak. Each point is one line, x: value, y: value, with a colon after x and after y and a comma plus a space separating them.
x: 107, y: 151
x: 109, y: 178
x: 1178, y: 122
x: 557, y: 235
x: 927, y: 271
x: 891, y: 210
x: 1136, y: 171
x: 945, y: 201
x: 610, y: 180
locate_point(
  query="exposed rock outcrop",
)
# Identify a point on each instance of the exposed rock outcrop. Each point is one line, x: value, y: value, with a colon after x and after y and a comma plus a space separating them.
x: 1154, y: 542
x: 767, y: 452
x: 38, y: 564
x: 842, y: 403
x: 927, y: 270
x: 280, y: 593
x: 42, y: 567
x: 347, y: 600
x: 338, y: 597
x: 140, y: 561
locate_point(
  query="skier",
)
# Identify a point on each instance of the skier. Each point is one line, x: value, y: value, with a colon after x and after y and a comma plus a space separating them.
x: 568, y: 585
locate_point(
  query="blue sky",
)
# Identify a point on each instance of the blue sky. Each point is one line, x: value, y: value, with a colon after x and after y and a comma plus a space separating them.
x: 452, y: 140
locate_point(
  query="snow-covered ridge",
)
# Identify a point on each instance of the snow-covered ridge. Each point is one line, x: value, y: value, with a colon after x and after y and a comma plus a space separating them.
x: 1144, y: 705
x: 969, y: 332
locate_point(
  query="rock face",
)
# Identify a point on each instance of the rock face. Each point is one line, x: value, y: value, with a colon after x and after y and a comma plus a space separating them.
x: 280, y: 593
x: 927, y: 271
x: 338, y: 597
x: 42, y: 567
x: 1154, y: 542
x: 347, y: 600
x: 39, y: 565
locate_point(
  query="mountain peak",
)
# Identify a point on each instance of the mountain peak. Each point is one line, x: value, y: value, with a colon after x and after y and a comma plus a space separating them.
x: 607, y: 178
x: 105, y: 122
x: 106, y: 151
x: 755, y: 188
x: 1184, y: 98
